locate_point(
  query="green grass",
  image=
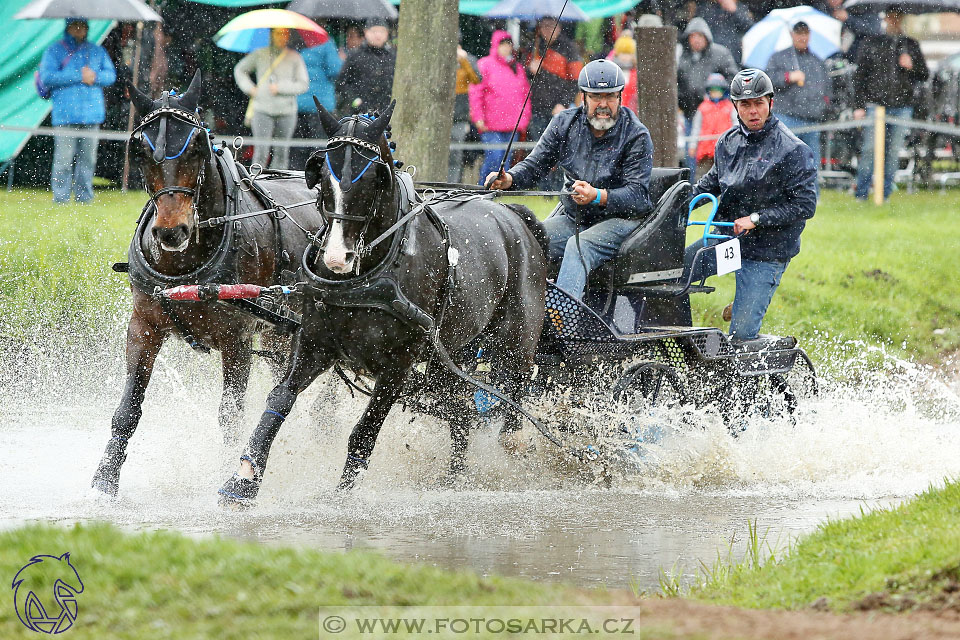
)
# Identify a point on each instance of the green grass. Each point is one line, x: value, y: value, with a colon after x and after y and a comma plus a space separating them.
x: 888, y: 558
x: 165, y: 585
x: 55, y: 275
x: 884, y: 275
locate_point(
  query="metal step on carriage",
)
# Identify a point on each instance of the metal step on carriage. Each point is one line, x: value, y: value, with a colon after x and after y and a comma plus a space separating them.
x: 630, y: 345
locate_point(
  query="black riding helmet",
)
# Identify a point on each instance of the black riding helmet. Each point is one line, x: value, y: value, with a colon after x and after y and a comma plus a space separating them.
x: 602, y: 76
x: 750, y: 83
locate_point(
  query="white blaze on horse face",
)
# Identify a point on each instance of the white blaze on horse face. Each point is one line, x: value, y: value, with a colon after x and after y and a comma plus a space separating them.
x: 335, y: 254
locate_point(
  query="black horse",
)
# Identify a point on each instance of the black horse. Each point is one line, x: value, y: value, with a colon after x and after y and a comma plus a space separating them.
x: 395, y: 283
x: 178, y: 242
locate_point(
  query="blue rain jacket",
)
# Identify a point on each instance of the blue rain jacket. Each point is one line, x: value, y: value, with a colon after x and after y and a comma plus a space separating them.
x: 619, y: 161
x: 60, y: 70
x: 769, y: 172
x: 323, y: 66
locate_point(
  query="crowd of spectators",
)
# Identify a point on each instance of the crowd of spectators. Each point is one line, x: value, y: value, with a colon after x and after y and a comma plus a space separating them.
x: 280, y: 80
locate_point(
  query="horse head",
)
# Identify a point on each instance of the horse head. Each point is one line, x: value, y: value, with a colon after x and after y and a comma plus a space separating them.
x: 172, y: 148
x: 354, y: 179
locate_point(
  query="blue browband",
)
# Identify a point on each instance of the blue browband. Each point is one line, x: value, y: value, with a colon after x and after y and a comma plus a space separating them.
x: 189, y: 138
x: 333, y: 173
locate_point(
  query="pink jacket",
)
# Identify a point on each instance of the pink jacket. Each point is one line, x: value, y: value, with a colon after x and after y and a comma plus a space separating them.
x: 497, y: 99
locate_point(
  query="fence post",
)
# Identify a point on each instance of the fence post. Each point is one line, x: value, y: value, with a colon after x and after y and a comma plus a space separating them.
x: 879, y: 145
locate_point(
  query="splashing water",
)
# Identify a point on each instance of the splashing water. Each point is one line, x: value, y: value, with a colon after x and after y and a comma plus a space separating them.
x: 876, y: 434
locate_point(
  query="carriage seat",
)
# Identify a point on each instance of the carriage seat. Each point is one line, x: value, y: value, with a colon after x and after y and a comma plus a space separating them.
x: 653, y: 253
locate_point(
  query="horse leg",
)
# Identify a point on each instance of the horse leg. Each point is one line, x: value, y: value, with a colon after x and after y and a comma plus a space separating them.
x: 143, y: 345
x: 364, y: 434
x: 306, y: 364
x: 236, y: 358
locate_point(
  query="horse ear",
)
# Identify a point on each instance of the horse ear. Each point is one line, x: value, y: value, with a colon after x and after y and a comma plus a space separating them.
x: 141, y: 101
x: 328, y: 123
x: 191, y: 97
x: 380, y: 124
x: 311, y: 171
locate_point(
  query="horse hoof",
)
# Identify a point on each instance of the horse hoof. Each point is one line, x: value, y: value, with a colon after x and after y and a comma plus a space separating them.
x: 237, y: 492
x: 105, y: 486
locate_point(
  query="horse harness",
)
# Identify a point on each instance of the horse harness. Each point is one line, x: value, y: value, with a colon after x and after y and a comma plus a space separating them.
x: 222, y: 265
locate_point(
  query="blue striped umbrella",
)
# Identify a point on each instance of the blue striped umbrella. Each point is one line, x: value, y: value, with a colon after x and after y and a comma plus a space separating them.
x: 772, y: 34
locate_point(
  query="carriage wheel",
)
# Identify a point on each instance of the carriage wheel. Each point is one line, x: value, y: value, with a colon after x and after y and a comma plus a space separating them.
x: 779, y: 395
x: 651, y: 383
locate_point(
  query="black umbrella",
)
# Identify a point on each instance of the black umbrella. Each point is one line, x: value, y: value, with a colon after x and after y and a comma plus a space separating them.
x: 122, y: 10
x: 907, y: 6
x: 355, y: 9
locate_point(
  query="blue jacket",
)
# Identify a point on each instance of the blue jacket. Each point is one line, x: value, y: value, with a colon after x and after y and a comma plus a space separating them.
x: 73, y: 101
x: 323, y: 66
x: 619, y: 161
x: 769, y: 172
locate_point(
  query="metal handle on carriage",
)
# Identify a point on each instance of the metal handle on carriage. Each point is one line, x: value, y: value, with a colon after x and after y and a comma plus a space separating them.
x: 709, y: 222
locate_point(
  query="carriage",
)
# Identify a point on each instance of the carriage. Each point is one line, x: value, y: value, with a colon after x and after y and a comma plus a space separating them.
x: 631, y: 338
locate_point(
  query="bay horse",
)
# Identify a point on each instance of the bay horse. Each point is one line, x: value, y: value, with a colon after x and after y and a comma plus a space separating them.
x: 395, y: 283
x: 178, y: 241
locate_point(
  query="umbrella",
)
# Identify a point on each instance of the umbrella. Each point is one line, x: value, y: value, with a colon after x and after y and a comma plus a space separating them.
x: 772, y: 34
x: 907, y: 6
x: 251, y: 30
x: 536, y: 9
x: 123, y: 10
x: 353, y: 9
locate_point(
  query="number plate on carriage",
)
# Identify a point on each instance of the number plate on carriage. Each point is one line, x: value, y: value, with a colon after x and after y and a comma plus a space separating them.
x: 728, y: 256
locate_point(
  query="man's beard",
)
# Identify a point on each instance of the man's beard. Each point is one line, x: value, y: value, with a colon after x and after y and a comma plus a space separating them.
x: 603, y: 124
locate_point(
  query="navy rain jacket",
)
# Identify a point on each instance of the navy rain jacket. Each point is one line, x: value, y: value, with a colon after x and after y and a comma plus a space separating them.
x: 769, y: 172
x: 619, y: 161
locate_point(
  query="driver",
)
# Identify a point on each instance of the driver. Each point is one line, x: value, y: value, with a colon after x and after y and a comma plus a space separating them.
x: 606, y: 155
x: 766, y: 181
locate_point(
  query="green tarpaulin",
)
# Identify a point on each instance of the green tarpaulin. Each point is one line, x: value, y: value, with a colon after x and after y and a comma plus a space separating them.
x: 593, y: 8
x: 21, y: 48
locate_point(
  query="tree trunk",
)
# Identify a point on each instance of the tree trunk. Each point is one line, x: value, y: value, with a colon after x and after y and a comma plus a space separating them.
x: 423, y: 85
x: 657, y: 87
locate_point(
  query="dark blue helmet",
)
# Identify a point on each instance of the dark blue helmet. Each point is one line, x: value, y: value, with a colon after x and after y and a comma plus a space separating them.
x: 602, y: 76
x: 750, y: 83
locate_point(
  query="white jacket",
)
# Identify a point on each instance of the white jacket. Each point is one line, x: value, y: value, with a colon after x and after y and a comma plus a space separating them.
x: 289, y: 74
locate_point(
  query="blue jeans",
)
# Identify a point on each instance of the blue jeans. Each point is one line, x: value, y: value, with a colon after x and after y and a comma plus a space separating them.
x: 756, y: 283
x: 895, y: 137
x: 74, y: 159
x: 492, y: 157
x: 598, y: 244
x: 811, y: 139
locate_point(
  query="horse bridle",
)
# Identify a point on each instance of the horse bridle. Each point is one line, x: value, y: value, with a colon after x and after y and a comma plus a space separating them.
x: 164, y: 113
x: 347, y: 180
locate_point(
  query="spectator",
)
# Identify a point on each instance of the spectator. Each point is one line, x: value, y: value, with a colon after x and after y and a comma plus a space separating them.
x: 323, y: 65
x: 556, y: 86
x: 281, y: 77
x: 495, y: 99
x: 802, y: 84
x: 715, y: 115
x: 366, y: 79
x: 468, y: 75
x: 352, y: 39
x: 729, y: 20
x: 625, y: 55
x: 699, y: 57
x: 75, y: 71
x: 889, y: 66
x: 859, y: 24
